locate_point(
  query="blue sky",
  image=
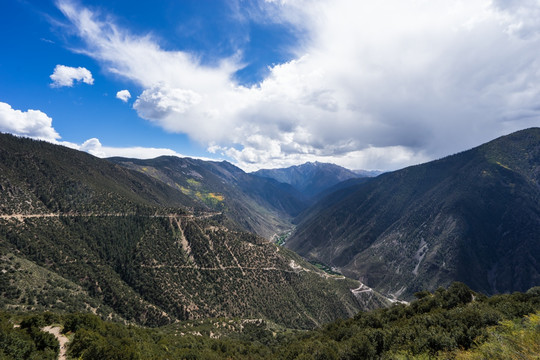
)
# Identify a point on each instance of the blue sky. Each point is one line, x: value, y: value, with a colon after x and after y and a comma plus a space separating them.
x: 270, y: 83
x: 38, y: 37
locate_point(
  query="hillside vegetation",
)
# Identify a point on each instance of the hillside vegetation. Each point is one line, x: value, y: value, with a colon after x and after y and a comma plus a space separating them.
x: 259, y: 205
x: 79, y: 233
x: 446, y: 324
x: 155, y: 264
x: 37, y: 177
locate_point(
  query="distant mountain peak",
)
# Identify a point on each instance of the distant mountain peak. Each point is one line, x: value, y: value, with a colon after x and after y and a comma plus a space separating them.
x: 310, y: 178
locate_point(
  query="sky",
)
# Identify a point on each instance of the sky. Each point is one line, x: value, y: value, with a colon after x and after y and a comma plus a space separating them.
x: 270, y: 83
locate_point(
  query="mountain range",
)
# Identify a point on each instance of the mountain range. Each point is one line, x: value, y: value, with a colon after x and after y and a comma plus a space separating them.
x: 265, y: 202
x: 312, y: 178
x: 156, y: 241
x: 260, y: 205
x: 78, y: 233
x: 472, y: 217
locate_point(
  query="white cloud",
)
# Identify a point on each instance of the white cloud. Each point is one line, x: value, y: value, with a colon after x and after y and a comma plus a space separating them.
x: 93, y: 146
x: 31, y: 123
x: 161, y: 101
x: 375, y: 84
x: 123, y: 95
x: 66, y: 75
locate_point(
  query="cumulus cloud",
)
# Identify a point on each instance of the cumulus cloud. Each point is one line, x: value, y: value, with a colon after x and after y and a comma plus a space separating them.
x: 161, y: 101
x: 94, y: 147
x: 31, y: 123
x: 123, y: 95
x: 66, y: 76
x: 375, y: 84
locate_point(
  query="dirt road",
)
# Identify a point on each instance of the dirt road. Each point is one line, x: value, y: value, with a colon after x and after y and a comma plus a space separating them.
x: 62, y: 339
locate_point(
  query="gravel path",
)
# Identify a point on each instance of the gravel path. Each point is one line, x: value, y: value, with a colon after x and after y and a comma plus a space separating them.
x: 62, y: 339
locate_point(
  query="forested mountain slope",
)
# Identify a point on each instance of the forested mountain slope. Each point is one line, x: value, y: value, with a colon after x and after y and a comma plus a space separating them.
x: 472, y: 217
x: 79, y: 233
x: 260, y: 205
x: 37, y: 177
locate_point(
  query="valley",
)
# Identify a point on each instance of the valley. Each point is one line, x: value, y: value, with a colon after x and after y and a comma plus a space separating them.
x: 168, y: 242
x: 269, y: 180
x: 259, y: 205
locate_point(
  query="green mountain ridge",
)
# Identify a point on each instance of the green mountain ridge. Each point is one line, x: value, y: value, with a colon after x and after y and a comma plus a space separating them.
x: 36, y: 177
x: 259, y: 205
x: 81, y: 234
x: 127, y: 246
x: 472, y: 217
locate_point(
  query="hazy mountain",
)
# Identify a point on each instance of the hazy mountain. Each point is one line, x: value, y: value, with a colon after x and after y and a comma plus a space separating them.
x: 472, y: 217
x: 368, y: 173
x: 260, y: 205
x: 78, y: 233
x: 310, y: 178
